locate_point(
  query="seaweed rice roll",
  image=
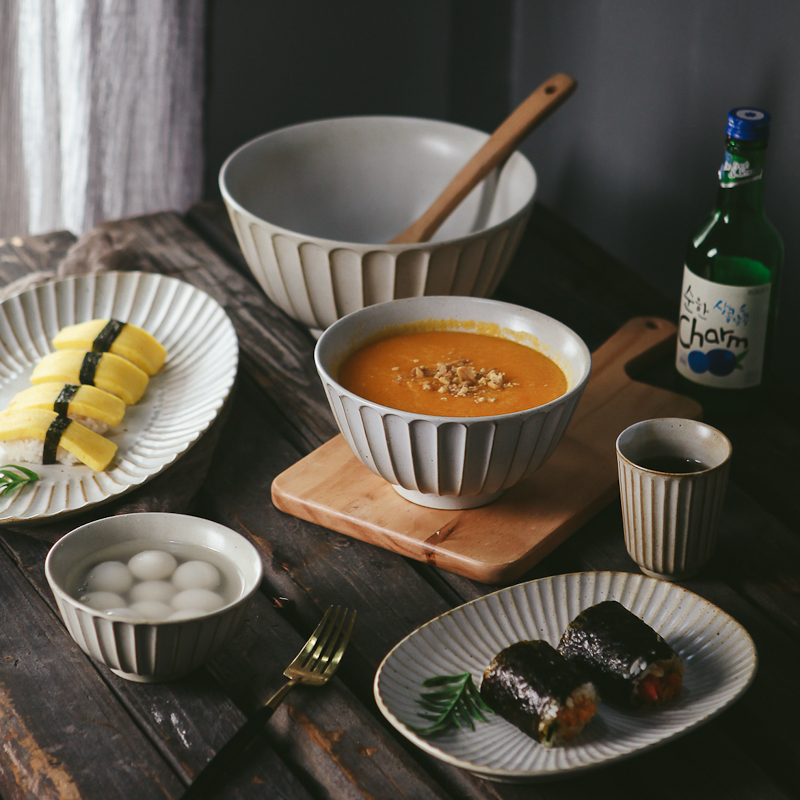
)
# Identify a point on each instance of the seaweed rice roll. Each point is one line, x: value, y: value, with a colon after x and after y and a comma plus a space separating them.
x: 534, y: 687
x: 630, y: 664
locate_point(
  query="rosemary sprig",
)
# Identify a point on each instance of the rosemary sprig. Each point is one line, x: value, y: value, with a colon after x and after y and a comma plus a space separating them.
x: 454, y: 703
x: 13, y: 476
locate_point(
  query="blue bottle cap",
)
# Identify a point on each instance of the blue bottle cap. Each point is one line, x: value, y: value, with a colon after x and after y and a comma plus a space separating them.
x: 748, y: 124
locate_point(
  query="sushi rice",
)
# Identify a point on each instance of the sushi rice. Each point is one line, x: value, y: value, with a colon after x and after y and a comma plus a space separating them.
x: 30, y: 450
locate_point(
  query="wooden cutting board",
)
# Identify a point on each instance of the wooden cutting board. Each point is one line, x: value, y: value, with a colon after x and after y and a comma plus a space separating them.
x: 499, y: 542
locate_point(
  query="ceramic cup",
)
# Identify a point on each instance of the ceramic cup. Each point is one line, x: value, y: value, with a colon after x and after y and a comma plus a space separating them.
x: 671, y: 515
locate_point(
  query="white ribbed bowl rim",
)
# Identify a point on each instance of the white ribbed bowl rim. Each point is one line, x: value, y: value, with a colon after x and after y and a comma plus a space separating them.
x: 327, y: 375
x: 519, y: 158
x: 718, y: 653
x: 180, y: 403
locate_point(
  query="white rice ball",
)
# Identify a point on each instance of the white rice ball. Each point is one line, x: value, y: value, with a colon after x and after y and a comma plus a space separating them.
x: 102, y: 601
x: 109, y: 576
x: 152, y: 565
x: 196, y: 575
x: 151, y: 610
x: 197, y: 599
x: 161, y: 591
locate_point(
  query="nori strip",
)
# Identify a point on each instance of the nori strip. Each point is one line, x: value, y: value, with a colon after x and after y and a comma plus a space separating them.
x: 89, y: 367
x: 612, y: 646
x: 103, y: 341
x: 52, y: 439
x: 65, y: 397
x: 524, y: 680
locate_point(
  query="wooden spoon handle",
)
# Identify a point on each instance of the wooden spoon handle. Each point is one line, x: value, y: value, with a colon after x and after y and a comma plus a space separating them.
x: 525, y: 117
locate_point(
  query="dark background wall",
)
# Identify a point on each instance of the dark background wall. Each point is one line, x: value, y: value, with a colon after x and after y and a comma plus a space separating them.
x: 630, y: 160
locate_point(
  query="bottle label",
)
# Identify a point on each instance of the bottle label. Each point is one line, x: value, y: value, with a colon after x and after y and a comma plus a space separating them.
x: 736, y: 170
x: 722, y: 332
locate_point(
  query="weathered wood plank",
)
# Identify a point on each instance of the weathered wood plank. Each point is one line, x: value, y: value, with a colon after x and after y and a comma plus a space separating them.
x: 603, y: 315
x: 187, y: 721
x: 194, y: 717
x: 314, y: 567
x: 57, y: 718
x: 329, y: 738
x: 190, y: 722
x: 211, y: 222
x: 19, y: 256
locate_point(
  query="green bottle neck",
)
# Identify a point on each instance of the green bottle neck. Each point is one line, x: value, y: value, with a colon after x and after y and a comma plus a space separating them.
x: 741, y: 182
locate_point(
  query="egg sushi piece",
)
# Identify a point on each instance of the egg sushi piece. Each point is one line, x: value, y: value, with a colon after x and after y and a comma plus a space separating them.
x: 113, y: 336
x: 43, y: 437
x: 104, y: 370
x: 81, y: 403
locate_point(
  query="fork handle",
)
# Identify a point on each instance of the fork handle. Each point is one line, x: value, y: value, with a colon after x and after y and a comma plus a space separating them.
x: 221, y: 763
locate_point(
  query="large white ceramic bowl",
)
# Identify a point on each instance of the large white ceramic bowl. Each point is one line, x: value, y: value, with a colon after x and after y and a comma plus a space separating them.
x: 150, y: 651
x: 452, y: 462
x: 313, y: 206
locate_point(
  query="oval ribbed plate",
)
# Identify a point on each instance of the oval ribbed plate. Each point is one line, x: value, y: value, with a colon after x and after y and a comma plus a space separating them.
x: 717, y: 652
x: 178, y: 406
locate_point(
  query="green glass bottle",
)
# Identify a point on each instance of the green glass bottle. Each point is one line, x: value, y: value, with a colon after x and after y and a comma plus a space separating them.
x: 730, y: 281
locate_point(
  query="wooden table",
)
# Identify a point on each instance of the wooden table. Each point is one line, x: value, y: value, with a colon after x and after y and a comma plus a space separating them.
x: 70, y: 728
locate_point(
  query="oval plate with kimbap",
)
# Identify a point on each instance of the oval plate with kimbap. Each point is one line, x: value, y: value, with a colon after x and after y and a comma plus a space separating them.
x: 180, y: 400
x: 718, y: 655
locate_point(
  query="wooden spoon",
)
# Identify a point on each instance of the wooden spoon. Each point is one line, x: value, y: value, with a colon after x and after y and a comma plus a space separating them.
x: 500, y: 145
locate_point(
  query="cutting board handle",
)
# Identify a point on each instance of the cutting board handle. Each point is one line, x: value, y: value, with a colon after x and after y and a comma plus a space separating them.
x: 639, y: 342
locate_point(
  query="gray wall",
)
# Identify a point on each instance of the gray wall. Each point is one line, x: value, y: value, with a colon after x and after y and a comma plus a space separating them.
x: 273, y: 63
x: 630, y: 160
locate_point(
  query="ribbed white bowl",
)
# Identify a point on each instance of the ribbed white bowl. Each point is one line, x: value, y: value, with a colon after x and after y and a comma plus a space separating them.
x: 717, y: 652
x: 452, y: 462
x: 178, y: 406
x: 313, y: 206
x: 157, y: 651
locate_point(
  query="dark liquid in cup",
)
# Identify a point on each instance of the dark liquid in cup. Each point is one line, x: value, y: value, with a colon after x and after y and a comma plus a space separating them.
x: 674, y: 464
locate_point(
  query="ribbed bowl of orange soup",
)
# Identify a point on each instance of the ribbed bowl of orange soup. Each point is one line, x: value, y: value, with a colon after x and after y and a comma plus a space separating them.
x: 452, y: 400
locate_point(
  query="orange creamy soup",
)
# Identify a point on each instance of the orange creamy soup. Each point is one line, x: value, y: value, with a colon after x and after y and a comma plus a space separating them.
x: 452, y: 374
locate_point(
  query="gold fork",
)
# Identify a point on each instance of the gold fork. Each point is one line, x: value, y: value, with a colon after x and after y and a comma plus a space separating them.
x: 314, y: 665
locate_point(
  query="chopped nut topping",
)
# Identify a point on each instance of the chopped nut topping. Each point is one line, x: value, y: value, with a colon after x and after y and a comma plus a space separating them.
x: 460, y: 378
x: 467, y: 374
